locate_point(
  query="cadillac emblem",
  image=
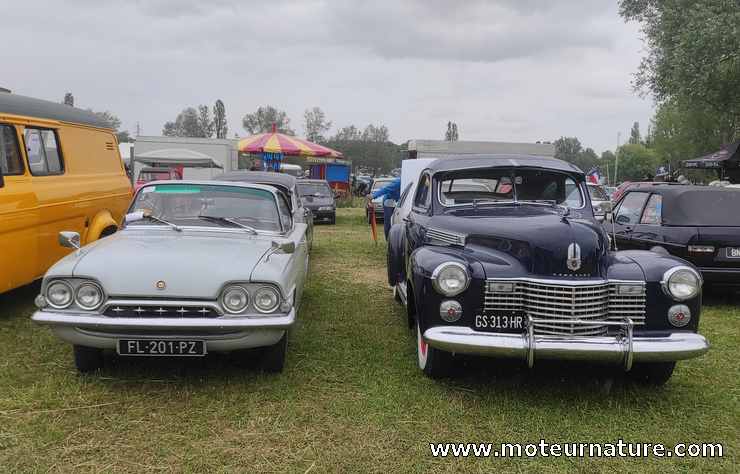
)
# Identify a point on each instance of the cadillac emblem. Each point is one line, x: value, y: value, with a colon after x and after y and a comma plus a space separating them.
x: 574, y: 257
x: 161, y: 285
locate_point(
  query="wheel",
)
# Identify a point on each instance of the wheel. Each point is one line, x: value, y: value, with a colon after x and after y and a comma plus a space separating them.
x: 88, y: 359
x: 655, y: 373
x: 273, y: 357
x: 433, y: 362
x: 397, y: 295
x: 333, y: 220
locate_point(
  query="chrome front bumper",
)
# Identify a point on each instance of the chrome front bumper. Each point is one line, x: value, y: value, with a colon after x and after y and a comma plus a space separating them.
x: 221, y: 334
x: 624, y: 349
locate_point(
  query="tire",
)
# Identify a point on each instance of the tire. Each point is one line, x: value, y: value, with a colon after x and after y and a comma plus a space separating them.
x: 655, y: 373
x: 273, y: 357
x: 397, y: 295
x: 88, y: 359
x: 333, y: 220
x: 433, y: 362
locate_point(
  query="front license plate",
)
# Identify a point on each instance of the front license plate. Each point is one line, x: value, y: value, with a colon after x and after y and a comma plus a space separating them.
x: 499, y: 323
x: 161, y: 347
x: 733, y: 252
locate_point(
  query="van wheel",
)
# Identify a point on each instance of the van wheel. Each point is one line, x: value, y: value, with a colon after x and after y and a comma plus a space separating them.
x: 655, y: 373
x: 433, y: 362
x: 108, y: 231
x: 273, y: 357
x: 88, y: 359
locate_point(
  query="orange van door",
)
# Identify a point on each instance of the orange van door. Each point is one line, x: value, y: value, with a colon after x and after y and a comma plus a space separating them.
x: 19, y: 216
x: 60, y: 198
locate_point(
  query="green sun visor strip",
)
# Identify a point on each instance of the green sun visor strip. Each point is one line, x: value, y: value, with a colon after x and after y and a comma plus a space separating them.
x: 197, y: 189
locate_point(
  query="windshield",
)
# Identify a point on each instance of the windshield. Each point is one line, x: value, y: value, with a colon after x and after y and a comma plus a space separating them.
x: 315, y: 190
x: 198, y: 204
x: 380, y: 183
x: 597, y: 193
x: 509, y: 185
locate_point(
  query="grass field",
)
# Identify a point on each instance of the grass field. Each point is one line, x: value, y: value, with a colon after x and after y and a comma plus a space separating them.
x: 351, y: 398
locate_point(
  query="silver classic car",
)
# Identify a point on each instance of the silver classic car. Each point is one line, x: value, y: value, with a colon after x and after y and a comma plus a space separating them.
x: 198, y: 267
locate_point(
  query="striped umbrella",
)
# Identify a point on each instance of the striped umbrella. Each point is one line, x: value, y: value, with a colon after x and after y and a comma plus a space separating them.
x: 282, y: 144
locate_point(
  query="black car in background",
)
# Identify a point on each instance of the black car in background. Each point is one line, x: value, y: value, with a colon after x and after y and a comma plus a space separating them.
x: 698, y: 223
x: 501, y: 256
x: 317, y: 196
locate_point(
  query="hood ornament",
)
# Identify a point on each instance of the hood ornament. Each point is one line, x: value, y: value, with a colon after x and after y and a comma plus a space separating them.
x: 574, y: 257
x: 160, y: 285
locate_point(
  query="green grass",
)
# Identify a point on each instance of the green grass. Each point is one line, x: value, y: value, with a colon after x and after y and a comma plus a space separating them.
x: 351, y: 398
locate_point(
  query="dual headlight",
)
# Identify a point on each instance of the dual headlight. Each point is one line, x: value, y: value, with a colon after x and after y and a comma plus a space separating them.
x: 681, y: 283
x: 235, y: 299
x: 87, y: 295
x: 450, y: 278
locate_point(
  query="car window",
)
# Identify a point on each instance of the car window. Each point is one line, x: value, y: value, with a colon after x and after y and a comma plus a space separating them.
x: 44, y: 157
x: 315, y: 190
x: 404, y: 195
x: 631, y: 208
x: 286, y: 219
x: 653, y: 210
x: 423, y: 192
x: 597, y: 193
x: 10, y: 156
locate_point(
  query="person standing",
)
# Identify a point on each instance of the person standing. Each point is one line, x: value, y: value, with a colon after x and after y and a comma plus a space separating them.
x: 389, y: 192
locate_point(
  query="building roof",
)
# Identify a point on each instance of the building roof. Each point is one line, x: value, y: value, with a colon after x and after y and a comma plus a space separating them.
x: 472, y: 161
x: 15, y: 104
x: 267, y: 177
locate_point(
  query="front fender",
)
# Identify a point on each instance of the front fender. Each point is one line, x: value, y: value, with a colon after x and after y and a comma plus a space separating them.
x: 101, y: 221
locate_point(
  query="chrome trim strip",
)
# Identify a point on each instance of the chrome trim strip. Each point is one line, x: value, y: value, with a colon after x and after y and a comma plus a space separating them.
x: 169, y: 303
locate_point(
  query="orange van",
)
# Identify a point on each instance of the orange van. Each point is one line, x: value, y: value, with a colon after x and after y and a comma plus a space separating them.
x: 60, y: 169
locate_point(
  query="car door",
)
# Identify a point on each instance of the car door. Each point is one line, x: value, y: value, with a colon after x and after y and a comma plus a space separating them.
x: 626, y: 217
x: 418, y: 217
x: 302, y: 214
x: 295, y: 231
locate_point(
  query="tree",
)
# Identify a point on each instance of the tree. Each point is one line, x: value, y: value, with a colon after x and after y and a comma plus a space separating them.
x: 567, y: 148
x: 219, y: 120
x: 375, y: 134
x: 69, y: 99
x: 349, y: 133
x: 637, y: 162
x: 187, y: 124
x: 693, y: 56
x: 263, y: 119
x: 315, y: 125
x: 635, y: 137
x: 451, y: 134
x: 205, y: 124
x: 368, y: 149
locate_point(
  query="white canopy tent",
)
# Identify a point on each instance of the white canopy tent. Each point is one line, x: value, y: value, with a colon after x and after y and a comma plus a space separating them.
x: 170, y: 157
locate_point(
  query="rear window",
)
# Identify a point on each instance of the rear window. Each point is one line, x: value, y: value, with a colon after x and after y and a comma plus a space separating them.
x: 10, y: 157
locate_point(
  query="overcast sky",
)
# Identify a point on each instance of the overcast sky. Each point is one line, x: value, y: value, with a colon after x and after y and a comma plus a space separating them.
x: 508, y: 70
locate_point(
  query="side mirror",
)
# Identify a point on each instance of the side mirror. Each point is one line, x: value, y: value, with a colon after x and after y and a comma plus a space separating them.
x: 283, y: 247
x: 69, y: 239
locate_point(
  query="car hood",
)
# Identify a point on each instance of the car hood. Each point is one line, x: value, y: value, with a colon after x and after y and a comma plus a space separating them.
x: 193, y: 264
x: 312, y: 202
x: 533, y: 239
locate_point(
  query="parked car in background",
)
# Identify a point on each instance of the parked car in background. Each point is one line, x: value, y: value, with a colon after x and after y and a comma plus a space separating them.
x: 698, y: 223
x: 522, y: 270
x: 149, y: 174
x: 200, y: 266
x: 599, y: 200
x: 620, y: 190
x: 318, y: 197
x: 293, y: 170
x: 285, y: 184
x: 60, y: 169
x: 377, y: 203
x: 610, y: 190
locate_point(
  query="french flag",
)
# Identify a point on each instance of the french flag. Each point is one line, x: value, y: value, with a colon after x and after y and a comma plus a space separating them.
x: 593, y: 176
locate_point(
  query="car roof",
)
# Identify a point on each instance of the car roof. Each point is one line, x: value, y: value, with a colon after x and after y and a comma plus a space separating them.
x: 280, y: 179
x: 313, y: 181
x: 462, y: 162
x: 29, y: 106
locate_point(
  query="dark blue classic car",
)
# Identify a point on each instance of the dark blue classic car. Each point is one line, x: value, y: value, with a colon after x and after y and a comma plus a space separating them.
x: 501, y: 256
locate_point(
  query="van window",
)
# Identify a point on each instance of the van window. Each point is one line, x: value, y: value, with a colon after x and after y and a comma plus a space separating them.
x: 10, y: 154
x: 44, y: 157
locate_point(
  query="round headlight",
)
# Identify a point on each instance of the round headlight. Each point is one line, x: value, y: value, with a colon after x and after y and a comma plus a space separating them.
x: 450, y: 278
x: 89, y: 296
x: 266, y: 299
x: 59, y: 294
x: 681, y: 283
x: 235, y: 299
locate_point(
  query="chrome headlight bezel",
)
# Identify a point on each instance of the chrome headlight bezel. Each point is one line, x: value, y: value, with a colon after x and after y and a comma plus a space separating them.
x: 438, y: 275
x: 677, y: 272
x: 237, y: 288
x: 96, y: 286
x: 50, y: 301
x: 274, y: 292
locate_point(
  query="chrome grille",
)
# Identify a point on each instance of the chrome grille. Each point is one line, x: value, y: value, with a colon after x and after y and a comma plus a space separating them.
x: 553, y: 303
x: 159, y: 311
x: 444, y: 237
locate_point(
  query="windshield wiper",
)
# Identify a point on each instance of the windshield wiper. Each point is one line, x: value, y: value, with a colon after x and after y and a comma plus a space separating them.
x: 222, y: 219
x: 157, y: 219
x: 547, y: 202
